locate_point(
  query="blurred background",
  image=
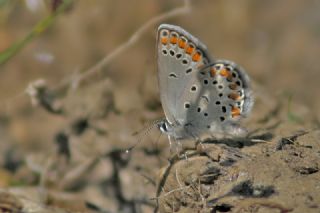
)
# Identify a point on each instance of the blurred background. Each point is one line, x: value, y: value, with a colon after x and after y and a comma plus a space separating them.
x: 277, y: 42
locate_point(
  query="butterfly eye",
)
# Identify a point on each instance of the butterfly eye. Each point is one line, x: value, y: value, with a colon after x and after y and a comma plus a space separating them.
x: 164, y: 127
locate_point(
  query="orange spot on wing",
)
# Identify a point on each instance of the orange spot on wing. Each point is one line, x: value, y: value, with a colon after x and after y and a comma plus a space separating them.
x: 182, y: 43
x: 225, y: 73
x: 212, y: 72
x: 233, y: 86
x: 234, y: 96
x: 196, y: 56
x: 229, y: 77
x: 173, y: 40
x: 189, y: 49
x: 164, y: 40
x: 235, y: 111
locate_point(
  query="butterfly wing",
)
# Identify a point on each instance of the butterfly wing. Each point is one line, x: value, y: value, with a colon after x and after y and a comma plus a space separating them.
x: 180, y: 55
x: 224, y: 99
x: 197, y: 93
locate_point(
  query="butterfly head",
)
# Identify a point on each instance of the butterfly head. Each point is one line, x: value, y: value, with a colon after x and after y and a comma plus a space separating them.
x: 165, y: 127
x: 176, y: 130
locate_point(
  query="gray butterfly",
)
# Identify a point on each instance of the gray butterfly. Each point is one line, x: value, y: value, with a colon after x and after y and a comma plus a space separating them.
x: 199, y: 95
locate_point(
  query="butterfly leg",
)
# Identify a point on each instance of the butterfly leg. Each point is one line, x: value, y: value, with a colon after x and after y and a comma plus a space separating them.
x: 174, y: 144
x: 177, y: 146
x: 196, y: 138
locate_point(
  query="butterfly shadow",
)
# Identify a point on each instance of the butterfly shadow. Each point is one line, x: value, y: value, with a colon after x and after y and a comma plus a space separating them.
x: 241, y: 142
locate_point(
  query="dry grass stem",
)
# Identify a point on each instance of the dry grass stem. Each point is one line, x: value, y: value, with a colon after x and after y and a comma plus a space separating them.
x: 96, y: 70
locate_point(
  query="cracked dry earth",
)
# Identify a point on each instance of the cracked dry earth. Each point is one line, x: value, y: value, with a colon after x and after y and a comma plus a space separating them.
x: 277, y: 176
x: 69, y: 160
x: 275, y: 169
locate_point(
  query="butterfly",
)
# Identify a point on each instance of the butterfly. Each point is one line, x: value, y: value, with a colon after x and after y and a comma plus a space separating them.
x: 199, y: 94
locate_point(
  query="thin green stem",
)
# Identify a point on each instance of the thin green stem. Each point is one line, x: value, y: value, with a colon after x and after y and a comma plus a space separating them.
x: 36, y: 31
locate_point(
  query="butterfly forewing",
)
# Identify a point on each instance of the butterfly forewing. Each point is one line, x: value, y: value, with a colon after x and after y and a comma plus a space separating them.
x: 180, y: 56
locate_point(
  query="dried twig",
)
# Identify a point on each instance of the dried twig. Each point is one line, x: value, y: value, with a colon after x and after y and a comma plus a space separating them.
x: 290, y: 140
x: 262, y: 202
x: 92, y: 73
x: 73, y: 176
x: 44, y: 175
x: 173, y: 190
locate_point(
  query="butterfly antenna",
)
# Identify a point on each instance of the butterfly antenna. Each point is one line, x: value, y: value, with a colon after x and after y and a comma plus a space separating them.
x: 145, y: 131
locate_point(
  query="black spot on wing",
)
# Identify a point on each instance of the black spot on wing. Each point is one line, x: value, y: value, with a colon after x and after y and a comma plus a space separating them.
x: 172, y: 75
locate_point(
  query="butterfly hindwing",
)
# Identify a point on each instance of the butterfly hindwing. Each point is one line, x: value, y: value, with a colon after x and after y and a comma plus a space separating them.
x: 225, y: 96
